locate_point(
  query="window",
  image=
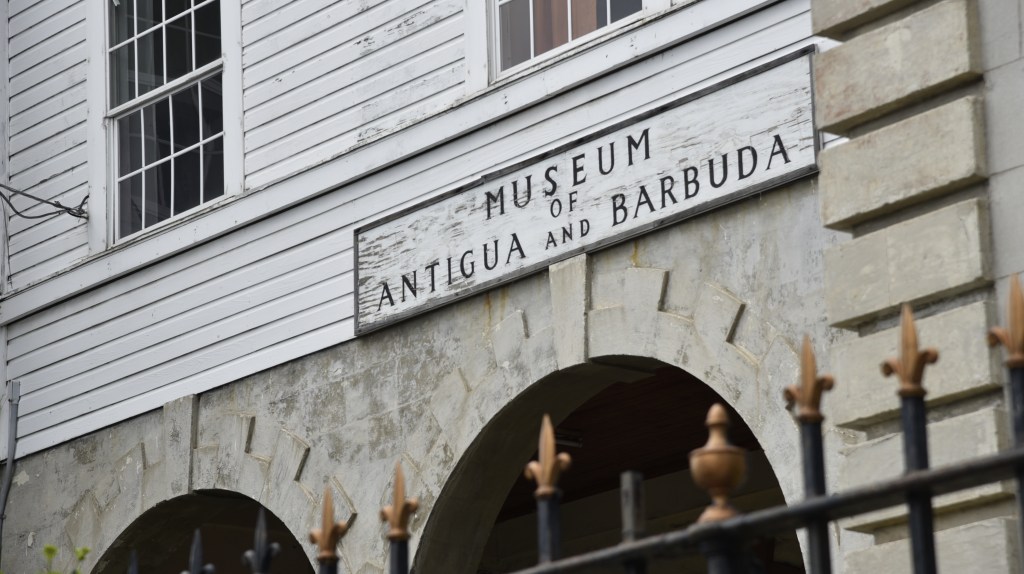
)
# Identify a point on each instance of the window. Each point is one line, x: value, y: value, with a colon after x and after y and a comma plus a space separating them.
x: 166, y: 105
x: 529, y: 28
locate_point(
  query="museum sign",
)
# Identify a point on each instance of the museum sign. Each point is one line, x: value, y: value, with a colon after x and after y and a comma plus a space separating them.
x: 737, y: 138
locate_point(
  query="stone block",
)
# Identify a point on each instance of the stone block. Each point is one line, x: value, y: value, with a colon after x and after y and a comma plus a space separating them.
x: 924, y: 156
x: 922, y: 55
x: 179, y: 438
x: 569, y: 303
x: 932, y: 256
x: 950, y: 441
x: 966, y: 366
x: 644, y: 289
x: 833, y: 18
x: 508, y: 338
x: 985, y: 546
x: 717, y: 314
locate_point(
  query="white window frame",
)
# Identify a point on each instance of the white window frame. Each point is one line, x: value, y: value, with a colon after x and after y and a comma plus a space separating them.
x: 648, y: 9
x: 102, y: 158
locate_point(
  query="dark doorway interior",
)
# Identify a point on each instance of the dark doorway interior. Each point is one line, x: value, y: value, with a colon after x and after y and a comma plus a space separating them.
x: 649, y: 426
x: 162, y: 537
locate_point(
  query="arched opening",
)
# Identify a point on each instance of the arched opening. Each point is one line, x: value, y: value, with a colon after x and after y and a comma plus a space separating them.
x: 649, y: 425
x: 162, y: 536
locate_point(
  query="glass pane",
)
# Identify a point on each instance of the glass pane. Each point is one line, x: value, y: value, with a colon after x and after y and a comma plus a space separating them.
x: 156, y: 118
x: 158, y: 194
x: 514, y: 21
x: 186, y: 172
x: 550, y: 24
x: 151, y: 61
x: 150, y: 13
x: 122, y: 72
x: 213, y: 169
x: 185, y: 106
x: 213, y: 120
x: 587, y: 16
x: 175, y: 7
x: 623, y: 8
x: 179, y: 47
x: 207, y: 23
x: 122, y: 22
x: 129, y: 206
x: 129, y: 143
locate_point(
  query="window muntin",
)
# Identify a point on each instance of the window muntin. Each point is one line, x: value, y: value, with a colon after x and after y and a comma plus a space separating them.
x: 529, y: 28
x: 166, y: 93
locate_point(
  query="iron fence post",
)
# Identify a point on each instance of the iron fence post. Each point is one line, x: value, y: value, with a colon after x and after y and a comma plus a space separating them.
x: 808, y: 397
x: 909, y: 367
x: 328, y: 535
x: 195, y: 558
x: 633, y: 516
x: 397, y: 515
x: 545, y: 471
x: 258, y: 558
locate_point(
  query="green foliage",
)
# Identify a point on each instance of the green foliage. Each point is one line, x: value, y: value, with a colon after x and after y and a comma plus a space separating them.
x: 50, y: 552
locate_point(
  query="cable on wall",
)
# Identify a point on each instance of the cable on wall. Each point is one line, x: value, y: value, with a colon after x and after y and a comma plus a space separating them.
x: 78, y: 212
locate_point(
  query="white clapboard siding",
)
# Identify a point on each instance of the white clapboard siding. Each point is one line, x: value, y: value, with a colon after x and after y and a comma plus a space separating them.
x: 281, y: 287
x: 47, y: 58
x: 319, y: 77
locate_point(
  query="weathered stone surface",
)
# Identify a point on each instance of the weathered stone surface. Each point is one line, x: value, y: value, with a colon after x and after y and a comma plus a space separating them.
x: 924, y: 54
x: 921, y: 157
x: 986, y: 546
x: 717, y: 313
x: 931, y: 256
x: 949, y: 441
x: 833, y: 18
x: 179, y: 437
x: 569, y: 303
x: 966, y: 365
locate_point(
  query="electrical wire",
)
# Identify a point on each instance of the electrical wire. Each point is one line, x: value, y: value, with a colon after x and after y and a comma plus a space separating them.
x: 78, y: 212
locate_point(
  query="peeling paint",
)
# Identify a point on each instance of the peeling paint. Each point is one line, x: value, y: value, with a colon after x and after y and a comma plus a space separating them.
x: 21, y: 478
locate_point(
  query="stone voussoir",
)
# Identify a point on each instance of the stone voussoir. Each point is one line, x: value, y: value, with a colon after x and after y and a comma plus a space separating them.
x: 986, y: 546
x: 938, y: 254
x: 917, y: 57
x: 882, y: 171
x: 834, y: 18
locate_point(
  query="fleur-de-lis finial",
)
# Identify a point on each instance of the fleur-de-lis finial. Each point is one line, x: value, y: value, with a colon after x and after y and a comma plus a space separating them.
x: 1012, y: 337
x: 330, y: 532
x: 195, y: 558
x: 549, y: 466
x: 909, y: 366
x: 262, y: 553
x: 397, y: 513
x: 807, y: 396
x: 718, y: 467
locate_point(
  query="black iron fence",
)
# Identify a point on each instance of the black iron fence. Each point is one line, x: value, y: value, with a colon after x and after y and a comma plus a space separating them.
x: 722, y: 534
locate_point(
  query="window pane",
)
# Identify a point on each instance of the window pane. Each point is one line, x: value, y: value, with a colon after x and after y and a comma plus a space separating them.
x: 156, y: 118
x: 213, y: 169
x: 175, y: 7
x: 151, y: 61
x: 129, y: 206
x: 207, y: 23
x: 623, y: 8
x: 185, y: 106
x: 587, y: 16
x: 550, y: 24
x: 122, y: 22
x: 122, y: 73
x: 186, y: 173
x: 129, y: 142
x: 514, y: 21
x: 179, y: 47
x: 150, y: 13
x: 213, y: 121
x: 158, y: 193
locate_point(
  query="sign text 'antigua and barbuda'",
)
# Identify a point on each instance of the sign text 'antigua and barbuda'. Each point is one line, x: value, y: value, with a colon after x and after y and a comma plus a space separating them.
x: 743, y: 136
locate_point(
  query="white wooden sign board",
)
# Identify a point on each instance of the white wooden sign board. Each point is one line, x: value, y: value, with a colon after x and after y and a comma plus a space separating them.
x: 743, y: 136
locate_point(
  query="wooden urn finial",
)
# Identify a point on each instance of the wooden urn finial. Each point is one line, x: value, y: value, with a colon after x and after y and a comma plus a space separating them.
x: 718, y: 467
x: 330, y: 532
x: 807, y: 396
x: 398, y: 513
x: 1012, y: 337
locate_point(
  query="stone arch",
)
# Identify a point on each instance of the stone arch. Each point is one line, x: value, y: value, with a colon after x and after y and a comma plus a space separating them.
x: 161, y: 536
x: 583, y: 351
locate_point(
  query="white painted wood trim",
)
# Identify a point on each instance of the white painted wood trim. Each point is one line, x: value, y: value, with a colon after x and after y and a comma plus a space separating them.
x: 96, y: 127
x: 488, y: 107
x: 231, y: 44
x: 477, y: 29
